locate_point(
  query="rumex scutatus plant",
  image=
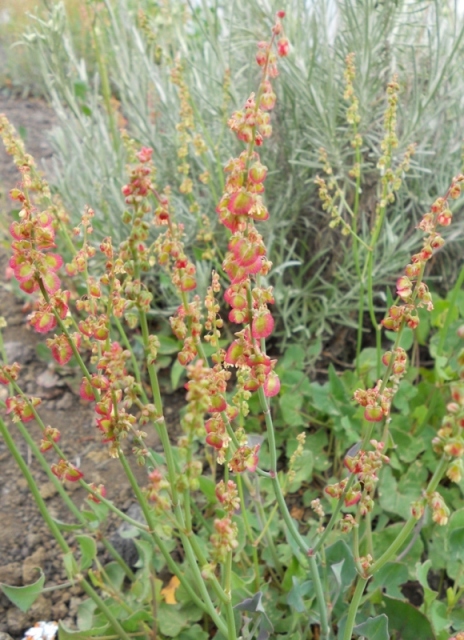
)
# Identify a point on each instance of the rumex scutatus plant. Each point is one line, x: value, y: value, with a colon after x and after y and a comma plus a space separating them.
x: 222, y: 531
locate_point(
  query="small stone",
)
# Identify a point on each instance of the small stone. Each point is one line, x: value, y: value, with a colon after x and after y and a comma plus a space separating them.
x: 41, y: 609
x: 31, y: 564
x: 33, y: 539
x: 48, y: 379
x: 19, y: 352
x: 59, y: 611
x: 16, y: 620
x: 65, y: 402
x: 5, y: 636
x: 73, y: 605
x: 11, y: 574
x: 47, y: 490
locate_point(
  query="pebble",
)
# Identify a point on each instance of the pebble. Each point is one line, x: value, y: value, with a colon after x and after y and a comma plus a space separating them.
x: 65, y: 402
x: 11, y: 574
x: 31, y: 564
x: 19, y: 352
x: 47, y: 490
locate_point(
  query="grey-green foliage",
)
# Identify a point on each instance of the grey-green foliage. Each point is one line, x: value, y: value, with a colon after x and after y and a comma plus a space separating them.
x: 316, y: 286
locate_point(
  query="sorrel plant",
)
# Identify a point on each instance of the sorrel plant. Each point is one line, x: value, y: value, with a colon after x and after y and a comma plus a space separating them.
x: 231, y: 561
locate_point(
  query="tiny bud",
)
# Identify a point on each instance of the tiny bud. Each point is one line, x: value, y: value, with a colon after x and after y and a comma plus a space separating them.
x: 283, y: 47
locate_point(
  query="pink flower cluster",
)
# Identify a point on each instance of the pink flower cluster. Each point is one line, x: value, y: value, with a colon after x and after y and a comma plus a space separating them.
x: 239, y: 208
x: 413, y: 292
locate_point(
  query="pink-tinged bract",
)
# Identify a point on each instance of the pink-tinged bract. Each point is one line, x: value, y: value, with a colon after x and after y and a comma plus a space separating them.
x: 51, y: 282
x: 72, y: 474
x: 217, y: 404
x: 352, y: 498
x: 238, y: 316
x: 271, y: 385
x: 251, y: 385
x: 61, y: 352
x: 214, y: 440
x: 262, y: 326
x: 23, y: 271
x: 373, y: 414
x: 187, y: 283
x: 234, y: 352
x: 86, y: 392
x: 240, y: 203
x: 53, y: 261
x: 29, y: 286
x: 43, y: 321
x: 245, y: 253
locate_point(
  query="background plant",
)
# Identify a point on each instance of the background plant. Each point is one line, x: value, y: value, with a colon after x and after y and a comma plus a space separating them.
x: 137, y: 46
x: 379, y: 530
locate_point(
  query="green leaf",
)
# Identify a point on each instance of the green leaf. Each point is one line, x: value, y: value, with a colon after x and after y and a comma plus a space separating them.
x: 408, y: 447
x: 177, y: 372
x: 337, y: 553
x: 296, y: 594
x: 85, y: 614
x: 337, y: 389
x: 456, y: 545
x: 64, y: 526
x: 255, y: 605
x: 194, y: 633
x: 43, y: 352
x: 322, y: 399
x: 208, y: 488
x: 389, y: 578
x: 438, y: 615
x: 374, y: 628
x: 80, y: 89
x: 396, y: 497
x: 384, y: 538
x: 67, y: 634
x: 293, y: 358
x: 406, y: 339
x: 168, y: 345
x: 132, y: 623
x: 170, y: 620
x: 70, y: 565
x: 24, y: 597
x: 88, y: 548
x: 405, y: 393
x: 421, y: 573
x: 406, y: 620
x: 303, y: 469
x: 290, y: 406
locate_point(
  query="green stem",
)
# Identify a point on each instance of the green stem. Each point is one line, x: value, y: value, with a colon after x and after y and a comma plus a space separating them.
x: 292, y: 529
x: 354, y: 606
x: 248, y: 531
x: 231, y: 635
x: 205, y: 604
x: 135, y: 365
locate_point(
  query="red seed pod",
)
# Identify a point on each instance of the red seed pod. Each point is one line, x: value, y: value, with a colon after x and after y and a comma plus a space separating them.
x: 373, y: 414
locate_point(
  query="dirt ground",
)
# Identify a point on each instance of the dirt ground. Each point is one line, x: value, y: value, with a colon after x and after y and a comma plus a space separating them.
x: 25, y: 543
